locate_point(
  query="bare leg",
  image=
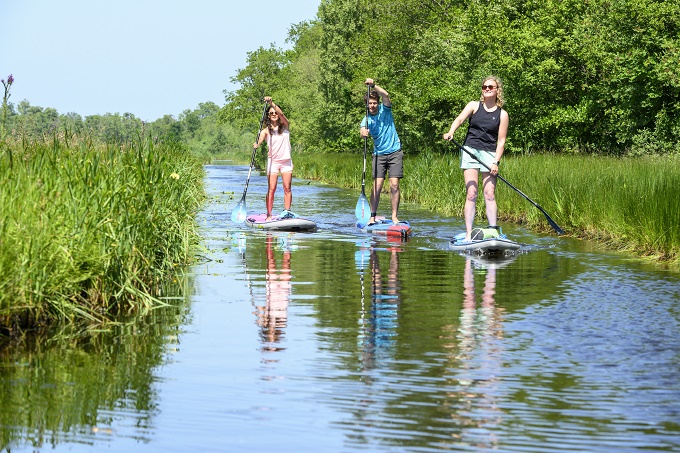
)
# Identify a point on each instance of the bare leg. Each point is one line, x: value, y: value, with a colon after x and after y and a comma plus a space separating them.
x: 395, y: 197
x: 271, y: 189
x: 489, y: 183
x: 471, y: 176
x: 375, y: 196
x: 286, y: 179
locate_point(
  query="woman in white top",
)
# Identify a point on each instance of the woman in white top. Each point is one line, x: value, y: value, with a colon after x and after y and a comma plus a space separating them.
x: 278, y: 158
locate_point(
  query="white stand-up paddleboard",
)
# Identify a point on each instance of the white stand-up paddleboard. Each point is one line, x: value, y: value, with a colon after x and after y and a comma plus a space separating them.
x: 484, y: 241
x: 293, y: 223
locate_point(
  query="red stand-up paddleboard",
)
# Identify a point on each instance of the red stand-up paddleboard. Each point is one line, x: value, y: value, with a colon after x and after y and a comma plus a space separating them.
x: 386, y: 227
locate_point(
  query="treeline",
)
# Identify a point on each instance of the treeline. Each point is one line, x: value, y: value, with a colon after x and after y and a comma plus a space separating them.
x: 581, y: 76
x: 198, y: 129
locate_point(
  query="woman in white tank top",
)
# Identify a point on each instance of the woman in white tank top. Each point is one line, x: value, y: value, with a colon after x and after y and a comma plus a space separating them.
x: 278, y: 158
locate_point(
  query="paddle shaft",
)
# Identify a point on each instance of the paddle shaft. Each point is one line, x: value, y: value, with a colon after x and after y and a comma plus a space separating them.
x: 363, y: 207
x: 363, y: 176
x: 552, y: 223
x: 252, y: 159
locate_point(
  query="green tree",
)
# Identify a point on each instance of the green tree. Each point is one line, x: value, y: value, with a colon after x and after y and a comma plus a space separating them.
x: 259, y: 78
x: 595, y: 76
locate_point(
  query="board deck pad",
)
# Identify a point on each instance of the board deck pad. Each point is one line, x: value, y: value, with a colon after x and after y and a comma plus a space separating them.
x: 280, y: 224
x: 500, y: 245
x: 386, y: 227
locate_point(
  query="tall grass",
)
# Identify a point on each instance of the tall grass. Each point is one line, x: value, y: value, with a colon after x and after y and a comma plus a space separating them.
x: 89, y: 230
x: 629, y: 204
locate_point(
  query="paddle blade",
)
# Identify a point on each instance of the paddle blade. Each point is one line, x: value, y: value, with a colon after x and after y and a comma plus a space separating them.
x: 240, y: 212
x: 363, y: 209
x: 552, y: 223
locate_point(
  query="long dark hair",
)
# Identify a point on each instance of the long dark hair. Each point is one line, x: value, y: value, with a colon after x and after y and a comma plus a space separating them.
x: 270, y: 126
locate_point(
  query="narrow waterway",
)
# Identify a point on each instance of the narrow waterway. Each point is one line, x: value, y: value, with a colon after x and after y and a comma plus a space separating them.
x: 338, y: 341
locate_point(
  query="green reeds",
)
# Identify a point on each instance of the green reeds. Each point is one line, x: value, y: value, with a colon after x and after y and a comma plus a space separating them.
x: 86, y: 230
x: 628, y: 204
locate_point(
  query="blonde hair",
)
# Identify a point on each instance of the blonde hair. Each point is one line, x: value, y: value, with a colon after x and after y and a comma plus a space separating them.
x: 499, y: 90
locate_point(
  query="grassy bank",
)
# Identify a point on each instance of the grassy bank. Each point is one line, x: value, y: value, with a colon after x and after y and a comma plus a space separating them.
x: 627, y: 204
x: 89, y: 230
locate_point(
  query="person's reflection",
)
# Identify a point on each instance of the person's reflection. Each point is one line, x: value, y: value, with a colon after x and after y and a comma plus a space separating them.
x: 488, y: 293
x: 382, y: 320
x: 477, y: 359
x: 273, y: 317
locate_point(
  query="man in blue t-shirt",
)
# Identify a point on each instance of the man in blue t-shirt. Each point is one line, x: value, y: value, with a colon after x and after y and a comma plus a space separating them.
x: 387, y: 154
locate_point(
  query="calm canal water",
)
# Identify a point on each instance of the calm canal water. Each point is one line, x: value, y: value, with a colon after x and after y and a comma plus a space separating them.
x: 341, y: 342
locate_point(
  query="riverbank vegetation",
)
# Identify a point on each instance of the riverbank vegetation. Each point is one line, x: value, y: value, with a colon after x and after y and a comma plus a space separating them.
x: 595, y: 77
x: 624, y: 203
x: 88, y: 230
x: 101, y: 208
x: 198, y: 129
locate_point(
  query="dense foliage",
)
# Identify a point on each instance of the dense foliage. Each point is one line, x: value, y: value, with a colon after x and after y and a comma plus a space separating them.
x: 580, y: 76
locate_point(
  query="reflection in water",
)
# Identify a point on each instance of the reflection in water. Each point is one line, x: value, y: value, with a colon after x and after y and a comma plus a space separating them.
x: 273, y: 316
x: 238, y: 241
x: 75, y: 388
x: 477, y: 359
x: 379, y: 326
x: 569, y: 349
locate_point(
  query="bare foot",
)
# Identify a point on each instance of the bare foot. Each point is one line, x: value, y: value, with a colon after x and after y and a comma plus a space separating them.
x: 268, y: 219
x: 395, y: 220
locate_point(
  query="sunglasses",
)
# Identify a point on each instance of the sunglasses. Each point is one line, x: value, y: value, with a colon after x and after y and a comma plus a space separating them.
x: 488, y: 87
x: 272, y: 113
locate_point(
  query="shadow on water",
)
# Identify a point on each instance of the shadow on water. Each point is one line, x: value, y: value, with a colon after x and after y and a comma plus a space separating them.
x: 341, y: 341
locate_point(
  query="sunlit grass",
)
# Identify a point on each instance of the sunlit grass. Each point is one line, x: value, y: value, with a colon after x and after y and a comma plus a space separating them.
x: 86, y: 231
x: 628, y: 204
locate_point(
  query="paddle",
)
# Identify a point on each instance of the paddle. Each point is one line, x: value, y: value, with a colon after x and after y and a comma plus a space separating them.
x: 363, y: 208
x: 552, y: 223
x: 240, y: 212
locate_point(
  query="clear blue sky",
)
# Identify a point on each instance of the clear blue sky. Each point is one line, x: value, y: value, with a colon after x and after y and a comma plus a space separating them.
x: 146, y: 57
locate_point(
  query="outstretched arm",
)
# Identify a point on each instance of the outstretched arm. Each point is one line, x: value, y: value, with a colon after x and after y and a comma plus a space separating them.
x: 384, y: 95
x: 502, y: 135
x: 467, y: 111
x: 282, y: 117
x: 261, y: 137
